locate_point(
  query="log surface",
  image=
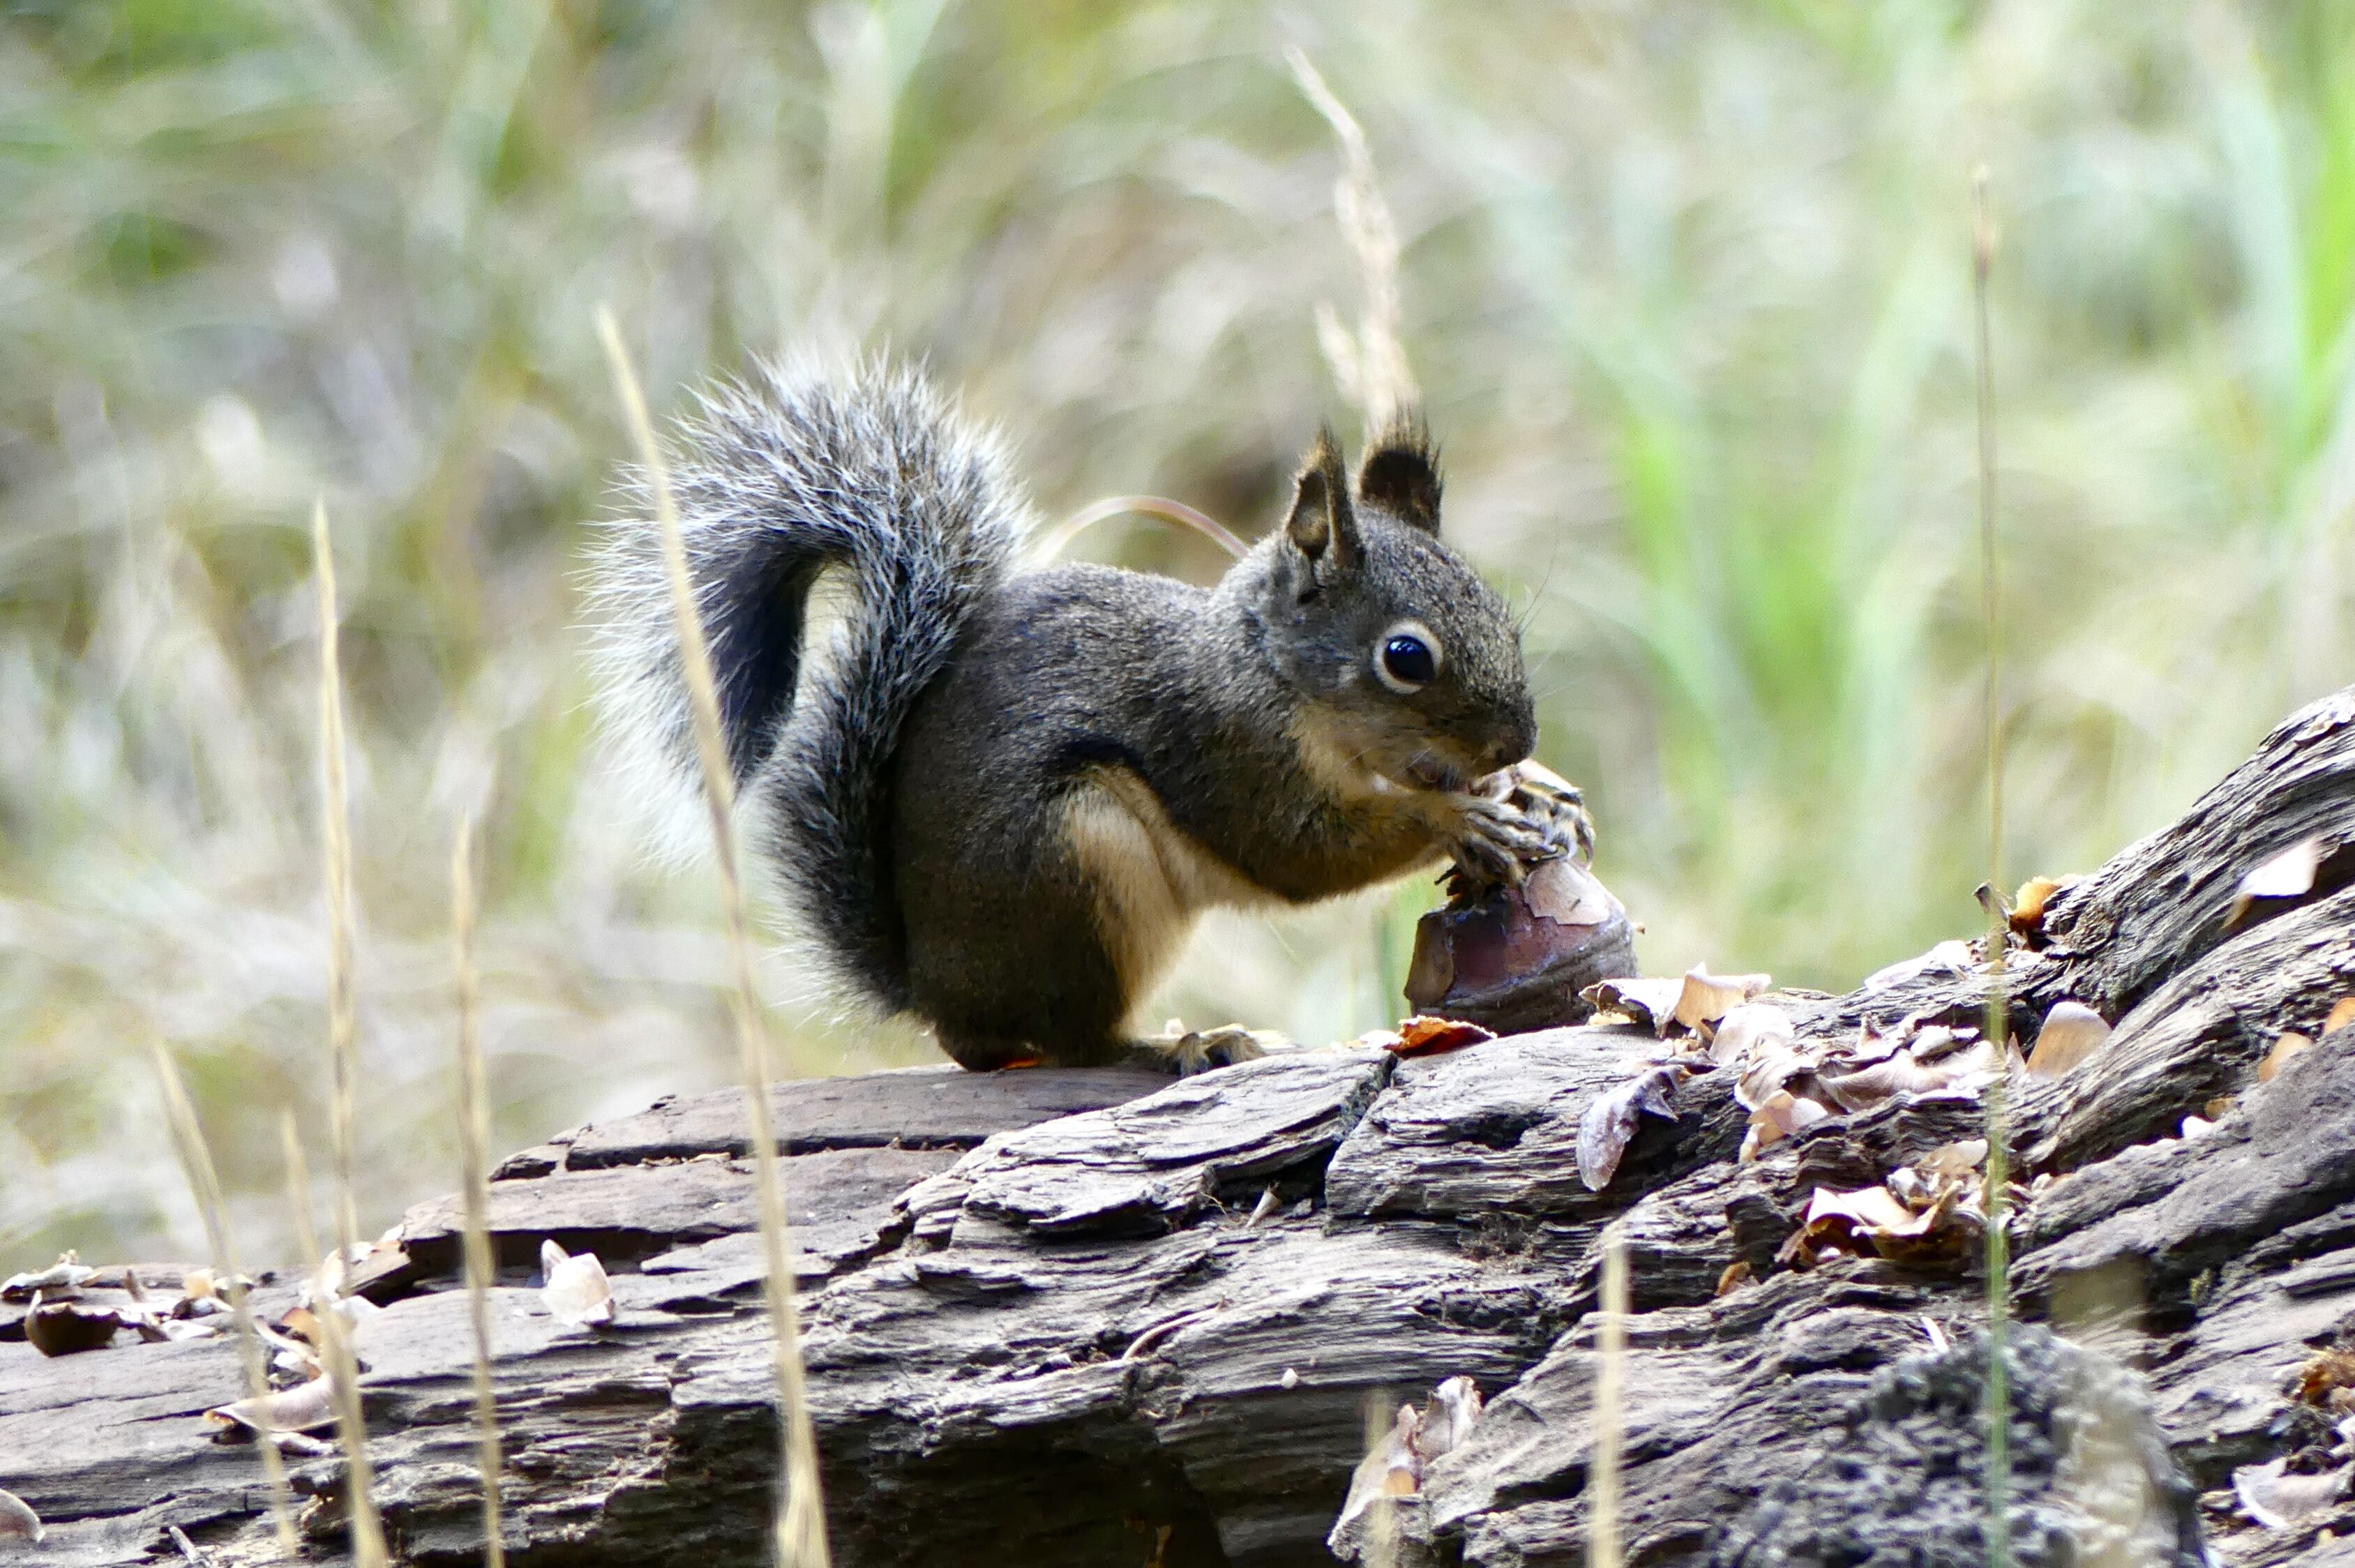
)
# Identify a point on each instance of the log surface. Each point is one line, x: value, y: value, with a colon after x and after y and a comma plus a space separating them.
x: 1098, y: 1317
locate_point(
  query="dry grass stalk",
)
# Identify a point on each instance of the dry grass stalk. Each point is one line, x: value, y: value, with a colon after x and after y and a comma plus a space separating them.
x: 474, y: 1146
x: 1999, y: 1029
x: 369, y: 1550
x: 1381, y: 1534
x: 1371, y: 367
x: 343, y: 1039
x: 1610, y: 1414
x: 204, y: 1185
x: 336, y: 835
x: 799, y: 1535
x: 1059, y: 539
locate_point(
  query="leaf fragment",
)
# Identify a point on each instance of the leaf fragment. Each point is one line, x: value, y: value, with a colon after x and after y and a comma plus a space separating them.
x: 2029, y: 903
x: 1446, y: 1421
x: 1706, y: 997
x: 2342, y: 1014
x: 1390, y: 1470
x: 2071, y: 1033
x: 1903, y: 1075
x: 1395, y: 1466
x: 68, y: 1273
x: 2290, y: 1043
x: 1609, y: 1123
x: 576, y: 1293
x: 1423, y: 1035
x: 1749, y: 1030
x: 19, y: 1521
x: 1949, y: 957
x: 305, y: 1407
x: 1959, y: 1160
x: 69, y: 1328
x: 1779, y: 1115
x: 2288, y: 874
x: 2328, y: 1379
x: 2277, y: 1499
x: 1652, y: 1003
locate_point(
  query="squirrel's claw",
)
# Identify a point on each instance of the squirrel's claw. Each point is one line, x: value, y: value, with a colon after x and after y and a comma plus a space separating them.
x: 1517, y: 819
x: 1555, y: 803
x: 1499, y: 841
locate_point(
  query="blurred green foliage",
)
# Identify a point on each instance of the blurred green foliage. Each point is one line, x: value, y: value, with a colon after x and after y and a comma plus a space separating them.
x: 1685, y: 285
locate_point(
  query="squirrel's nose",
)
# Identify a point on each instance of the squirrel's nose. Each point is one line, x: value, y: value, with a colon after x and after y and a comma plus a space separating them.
x: 1516, y: 739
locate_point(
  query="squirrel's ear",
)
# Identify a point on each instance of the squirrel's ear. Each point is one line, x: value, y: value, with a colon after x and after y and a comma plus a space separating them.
x: 1321, y: 524
x: 1400, y: 476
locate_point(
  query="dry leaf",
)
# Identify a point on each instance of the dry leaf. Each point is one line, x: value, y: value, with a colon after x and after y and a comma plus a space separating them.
x: 1735, y: 1275
x: 2028, y: 904
x: 1770, y: 1074
x: 2277, y: 1499
x: 577, y: 1293
x: 1958, y: 1161
x: 1871, y: 1045
x: 305, y: 1407
x: 1949, y: 957
x: 1425, y: 1036
x: 177, y: 1329
x: 2214, y: 1109
x: 68, y: 1327
x: 2072, y: 1032
x: 1390, y: 1471
x: 2342, y: 1013
x: 1778, y: 1116
x: 1447, y: 1419
x: 1913, y: 1216
x: 1648, y: 1002
x: 1609, y: 1124
x: 1706, y: 997
x: 1749, y: 1030
x: 1926, y: 1043
x: 1868, y: 1207
x: 2287, y: 1046
x: 2327, y: 1372
x: 1903, y: 1075
x: 67, y: 1274
x: 19, y: 1521
x: 2288, y: 874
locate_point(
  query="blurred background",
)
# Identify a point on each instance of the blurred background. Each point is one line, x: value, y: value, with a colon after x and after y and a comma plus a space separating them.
x: 1687, y: 287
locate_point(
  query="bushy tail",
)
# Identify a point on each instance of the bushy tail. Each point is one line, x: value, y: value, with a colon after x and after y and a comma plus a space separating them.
x: 866, y: 469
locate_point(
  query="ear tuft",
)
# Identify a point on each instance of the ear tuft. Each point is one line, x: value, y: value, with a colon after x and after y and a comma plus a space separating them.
x: 1322, y: 524
x: 1400, y: 476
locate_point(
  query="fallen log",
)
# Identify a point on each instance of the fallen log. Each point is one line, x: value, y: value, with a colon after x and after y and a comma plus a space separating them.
x: 1064, y: 1317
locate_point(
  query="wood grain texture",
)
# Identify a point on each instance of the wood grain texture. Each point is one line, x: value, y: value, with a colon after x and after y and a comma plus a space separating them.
x: 1098, y: 1317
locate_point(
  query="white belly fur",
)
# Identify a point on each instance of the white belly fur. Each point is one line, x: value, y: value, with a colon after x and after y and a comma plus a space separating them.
x: 1151, y: 880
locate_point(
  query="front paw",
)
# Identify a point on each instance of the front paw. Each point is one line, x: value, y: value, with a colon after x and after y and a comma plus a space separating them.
x: 1497, y: 841
x: 1553, y: 803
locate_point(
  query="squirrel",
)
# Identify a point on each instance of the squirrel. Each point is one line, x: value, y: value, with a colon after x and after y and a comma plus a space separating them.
x: 1001, y: 797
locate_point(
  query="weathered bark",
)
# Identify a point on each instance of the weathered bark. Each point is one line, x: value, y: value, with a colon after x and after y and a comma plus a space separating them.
x: 1095, y: 1317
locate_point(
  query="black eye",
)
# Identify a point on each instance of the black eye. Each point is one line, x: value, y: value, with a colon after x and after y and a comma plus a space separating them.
x: 1408, y: 662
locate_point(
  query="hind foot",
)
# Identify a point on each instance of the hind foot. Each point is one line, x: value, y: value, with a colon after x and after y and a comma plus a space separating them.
x: 1182, y: 1051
